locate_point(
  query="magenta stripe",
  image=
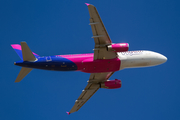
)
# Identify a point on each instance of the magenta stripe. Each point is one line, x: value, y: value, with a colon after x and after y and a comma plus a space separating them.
x: 16, y: 46
x: 35, y: 54
x: 87, y: 4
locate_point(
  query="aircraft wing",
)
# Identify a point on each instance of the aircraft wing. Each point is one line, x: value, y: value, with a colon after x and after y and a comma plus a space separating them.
x: 100, y: 35
x: 90, y: 89
x: 102, y: 40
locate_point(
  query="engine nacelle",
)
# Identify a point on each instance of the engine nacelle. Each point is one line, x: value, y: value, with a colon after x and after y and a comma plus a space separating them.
x: 119, y: 47
x: 111, y: 84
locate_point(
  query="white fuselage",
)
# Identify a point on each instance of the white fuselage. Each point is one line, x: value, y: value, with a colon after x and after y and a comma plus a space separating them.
x: 142, y: 58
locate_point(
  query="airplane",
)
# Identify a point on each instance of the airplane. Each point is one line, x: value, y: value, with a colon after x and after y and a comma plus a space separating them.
x: 107, y: 58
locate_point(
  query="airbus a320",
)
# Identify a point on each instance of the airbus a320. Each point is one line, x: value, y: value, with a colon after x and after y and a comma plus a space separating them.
x: 107, y: 58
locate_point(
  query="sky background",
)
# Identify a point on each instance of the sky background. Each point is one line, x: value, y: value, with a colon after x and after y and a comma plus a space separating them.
x: 61, y: 27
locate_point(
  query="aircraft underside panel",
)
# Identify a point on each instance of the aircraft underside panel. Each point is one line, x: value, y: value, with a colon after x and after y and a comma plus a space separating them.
x: 85, y: 64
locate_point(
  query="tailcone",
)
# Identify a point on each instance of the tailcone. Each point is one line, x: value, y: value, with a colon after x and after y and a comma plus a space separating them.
x: 20, y: 63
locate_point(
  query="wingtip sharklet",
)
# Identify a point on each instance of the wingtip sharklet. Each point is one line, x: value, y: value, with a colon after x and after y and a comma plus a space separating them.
x: 68, y: 113
x: 87, y: 4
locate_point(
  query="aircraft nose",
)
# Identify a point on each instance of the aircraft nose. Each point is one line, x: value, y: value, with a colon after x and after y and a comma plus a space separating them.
x: 160, y: 58
x: 157, y: 58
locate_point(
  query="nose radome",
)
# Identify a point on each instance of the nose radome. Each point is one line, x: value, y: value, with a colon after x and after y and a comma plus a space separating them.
x: 155, y: 58
x: 162, y: 58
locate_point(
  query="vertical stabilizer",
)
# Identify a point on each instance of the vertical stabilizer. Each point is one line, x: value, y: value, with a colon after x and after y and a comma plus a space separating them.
x: 27, y: 53
x: 18, y: 50
x: 24, y: 71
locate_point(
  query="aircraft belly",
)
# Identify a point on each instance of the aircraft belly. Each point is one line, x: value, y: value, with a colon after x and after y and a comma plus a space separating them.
x: 84, y: 64
x: 57, y: 66
x: 60, y: 65
x: 103, y: 65
x: 50, y: 63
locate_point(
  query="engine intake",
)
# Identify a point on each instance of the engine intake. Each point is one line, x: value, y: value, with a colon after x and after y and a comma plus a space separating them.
x: 119, y: 47
x: 111, y: 84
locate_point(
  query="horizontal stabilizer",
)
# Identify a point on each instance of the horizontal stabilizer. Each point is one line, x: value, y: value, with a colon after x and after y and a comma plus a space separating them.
x: 27, y: 53
x: 24, y: 71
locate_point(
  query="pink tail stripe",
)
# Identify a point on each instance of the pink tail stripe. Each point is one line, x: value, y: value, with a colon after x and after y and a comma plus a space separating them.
x: 35, y: 54
x: 18, y: 47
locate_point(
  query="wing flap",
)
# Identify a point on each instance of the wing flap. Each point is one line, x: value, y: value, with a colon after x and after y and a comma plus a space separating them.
x: 100, y: 77
x: 85, y: 96
x: 100, y: 35
x: 90, y: 89
x: 98, y: 27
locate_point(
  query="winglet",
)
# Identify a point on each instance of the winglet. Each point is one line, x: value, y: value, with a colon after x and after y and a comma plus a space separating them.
x: 68, y: 113
x: 87, y: 4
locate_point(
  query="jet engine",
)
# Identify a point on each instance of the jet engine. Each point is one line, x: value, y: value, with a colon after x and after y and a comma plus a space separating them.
x: 111, y: 84
x: 119, y: 47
